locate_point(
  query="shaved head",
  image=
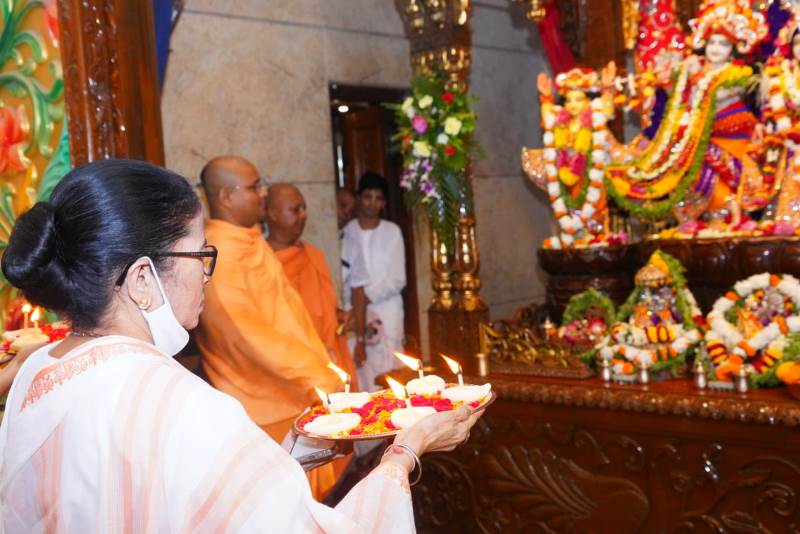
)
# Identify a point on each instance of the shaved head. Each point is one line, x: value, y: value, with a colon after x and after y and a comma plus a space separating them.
x: 345, y: 206
x: 286, y: 215
x: 231, y: 184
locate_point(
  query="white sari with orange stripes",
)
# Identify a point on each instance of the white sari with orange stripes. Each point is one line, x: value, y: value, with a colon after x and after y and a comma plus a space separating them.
x: 117, y: 437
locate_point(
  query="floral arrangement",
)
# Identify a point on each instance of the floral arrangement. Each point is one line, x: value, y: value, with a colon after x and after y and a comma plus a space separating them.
x: 377, y: 413
x: 750, y: 325
x: 435, y: 137
x: 585, y: 322
x: 659, y: 341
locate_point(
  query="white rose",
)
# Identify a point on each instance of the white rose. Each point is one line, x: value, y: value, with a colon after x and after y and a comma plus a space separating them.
x: 553, y: 189
x: 422, y: 149
x: 548, y: 138
x: 550, y: 170
x: 598, y: 119
x: 559, y: 205
x: 596, y: 175
x: 593, y: 195
x: 776, y: 102
x: 549, y: 121
x: 425, y: 101
x: 442, y: 139
x: 452, y: 126
x: 549, y: 154
x: 411, y: 113
x: 588, y: 211
x: 793, y: 323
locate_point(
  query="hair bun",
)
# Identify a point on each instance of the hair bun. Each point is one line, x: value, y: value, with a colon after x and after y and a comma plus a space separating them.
x: 32, y: 246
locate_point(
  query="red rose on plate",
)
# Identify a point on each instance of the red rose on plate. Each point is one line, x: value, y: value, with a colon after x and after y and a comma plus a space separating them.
x: 442, y: 405
x: 448, y: 97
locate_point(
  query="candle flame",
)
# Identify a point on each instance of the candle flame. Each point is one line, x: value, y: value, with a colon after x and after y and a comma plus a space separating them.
x: 322, y: 395
x: 343, y: 376
x: 397, y: 388
x: 26, y: 308
x: 454, y: 366
x: 414, y: 363
x: 35, y: 315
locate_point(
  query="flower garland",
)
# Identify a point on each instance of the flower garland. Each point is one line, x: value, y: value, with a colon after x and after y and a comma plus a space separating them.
x: 659, y: 347
x: 692, y: 127
x: 781, y: 84
x: 435, y: 136
x: 728, y: 348
x: 590, y: 148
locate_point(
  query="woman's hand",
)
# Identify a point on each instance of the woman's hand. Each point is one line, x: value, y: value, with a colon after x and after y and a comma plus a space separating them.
x: 441, y: 431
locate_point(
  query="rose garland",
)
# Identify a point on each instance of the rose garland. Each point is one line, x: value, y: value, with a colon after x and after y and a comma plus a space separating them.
x: 727, y: 347
x: 591, y: 148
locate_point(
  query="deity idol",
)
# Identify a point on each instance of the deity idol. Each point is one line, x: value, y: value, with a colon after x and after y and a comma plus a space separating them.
x: 577, y: 145
x: 657, y: 326
x: 781, y: 109
x: 698, y: 160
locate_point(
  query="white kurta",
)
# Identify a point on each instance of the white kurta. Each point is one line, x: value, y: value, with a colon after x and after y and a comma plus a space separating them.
x: 385, y: 257
x: 117, y: 437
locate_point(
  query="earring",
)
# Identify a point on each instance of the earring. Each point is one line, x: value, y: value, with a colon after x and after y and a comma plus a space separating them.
x: 144, y: 303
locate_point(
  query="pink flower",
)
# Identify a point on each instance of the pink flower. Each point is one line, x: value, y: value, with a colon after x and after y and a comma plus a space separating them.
x: 419, y: 124
x: 783, y: 228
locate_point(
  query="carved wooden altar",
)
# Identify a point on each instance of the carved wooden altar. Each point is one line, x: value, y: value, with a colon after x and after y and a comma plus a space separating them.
x: 111, y: 80
x: 559, y: 455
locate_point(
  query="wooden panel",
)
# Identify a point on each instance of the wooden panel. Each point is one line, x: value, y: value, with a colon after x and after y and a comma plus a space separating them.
x: 579, y: 456
x: 110, y: 76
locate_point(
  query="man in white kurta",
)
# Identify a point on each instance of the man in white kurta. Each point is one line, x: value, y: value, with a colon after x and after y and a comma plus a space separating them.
x: 117, y: 437
x: 381, y: 245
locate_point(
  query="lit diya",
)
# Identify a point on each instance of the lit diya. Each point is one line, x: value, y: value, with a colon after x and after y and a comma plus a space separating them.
x: 340, y: 401
x: 464, y: 393
x: 425, y: 384
x: 332, y: 423
x: 406, y: 417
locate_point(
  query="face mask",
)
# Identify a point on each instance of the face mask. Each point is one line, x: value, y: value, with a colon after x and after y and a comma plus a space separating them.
x: 168, y: 334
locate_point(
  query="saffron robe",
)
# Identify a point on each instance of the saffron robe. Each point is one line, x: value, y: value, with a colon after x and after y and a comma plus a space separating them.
x: 257, y: 340
x: 305, y: 267
x: 117, y: 437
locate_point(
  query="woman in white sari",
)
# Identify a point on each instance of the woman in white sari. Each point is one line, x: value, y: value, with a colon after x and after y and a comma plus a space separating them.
x: 105, y: 432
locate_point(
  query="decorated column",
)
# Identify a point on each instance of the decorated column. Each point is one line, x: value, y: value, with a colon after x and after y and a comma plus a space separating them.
x: 436, y: 145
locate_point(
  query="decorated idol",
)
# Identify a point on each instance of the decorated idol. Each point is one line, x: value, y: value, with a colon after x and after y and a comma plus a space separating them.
x: 698, y: 161
x: 656, y: 328
x: 750, y: 326
x: 577, y: 145
x: 781, y: 112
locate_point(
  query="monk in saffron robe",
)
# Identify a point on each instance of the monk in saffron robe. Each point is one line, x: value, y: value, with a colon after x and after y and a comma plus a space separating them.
x: 258, y: 342
x: 304, y: 265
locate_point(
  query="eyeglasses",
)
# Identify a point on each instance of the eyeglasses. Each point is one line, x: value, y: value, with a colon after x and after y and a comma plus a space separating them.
x: 261, y: 186
x: 208, y: 255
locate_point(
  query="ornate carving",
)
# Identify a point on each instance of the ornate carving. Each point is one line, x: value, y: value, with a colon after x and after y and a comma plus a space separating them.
x: 535, y: 9
x: 454, y: 61
x: 554, y: 494
x: 516, y: 349
x: 467, y: 264
x: 677, y: 399
x: 442, y: 270
x: 109, y: 75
